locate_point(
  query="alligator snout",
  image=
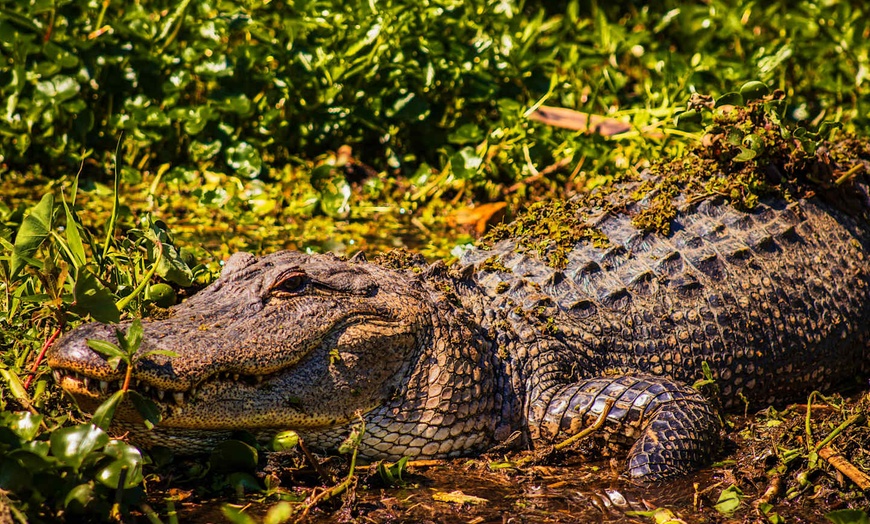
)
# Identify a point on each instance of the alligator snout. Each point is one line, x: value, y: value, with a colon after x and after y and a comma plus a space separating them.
x: 72, y: 353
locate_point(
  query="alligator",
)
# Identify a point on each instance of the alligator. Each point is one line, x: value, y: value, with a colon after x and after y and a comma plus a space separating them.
x: 510, y: 344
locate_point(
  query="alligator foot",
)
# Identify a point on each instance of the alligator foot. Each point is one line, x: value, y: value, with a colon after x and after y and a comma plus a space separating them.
x: 669, y: 428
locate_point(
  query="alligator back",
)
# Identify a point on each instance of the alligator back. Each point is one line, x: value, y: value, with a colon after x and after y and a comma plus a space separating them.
x: 775, y: 300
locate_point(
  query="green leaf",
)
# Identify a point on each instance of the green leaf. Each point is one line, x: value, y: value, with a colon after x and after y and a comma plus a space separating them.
x: 103, y: 415
x: 161, y: 294
x: 25, y: 424
x: 14, y: 476
x: 35, y: 228
x: 233, y: 455
x: 73, y: 238
x: 72, y: 445
x: 285, y: 440
x: 745, y: 155
x: 687, y: 118
x: 106, y: 348
x: 80, y: 496
x: 335, y: 192
x: 147, y: 408
x: 128, y: 460
x: 14, y: 385
x: 753, y: 90
x: 465, y: 163
x: 729, y: 500
x: 730, y: 99
x: 237, y: 515
x: 467, y: 134
x: 848, y: 516
x: 245, y: 159
x: 280, y: 513
x: 133, y: 339
x: 92, y: 298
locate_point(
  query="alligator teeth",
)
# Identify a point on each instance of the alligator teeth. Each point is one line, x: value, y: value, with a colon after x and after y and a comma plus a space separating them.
x: 160, y: 394
x: 236, y: 377
x: 179, y: 397
x: 87, y: 382
x: 192, y: 393
x: 258, y: 378
x: 137, y: 382
x: 57, y: 376
x: 104, y: 386
x: 146, y: 388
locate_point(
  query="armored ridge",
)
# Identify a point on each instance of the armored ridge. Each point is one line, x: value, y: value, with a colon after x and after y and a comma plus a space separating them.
x: 441, y: 363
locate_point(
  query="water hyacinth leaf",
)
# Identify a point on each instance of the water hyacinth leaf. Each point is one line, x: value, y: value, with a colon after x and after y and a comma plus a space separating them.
x: 79, y: 497
x: 128, y: 460
x: 200, y: 152
x: 73, y: 444
x: 848, y: 516
x: 466, y: 134
x: 687, y: 118
x: 146, y: 408
x: 103, y: 415
x: 25, y: 424
x: 730, y: 99
x: 92, y: 298
x: 465, y: 163
x: 753, y: 90
x: 746, y: 154
x: 245, y: 159
x: 285, y: 440
x: 57, y: 89
x: 161, y: 294
x: 335, y: 192
x: 32, y: 462
x: 35, y: 228
x: 14, y: 476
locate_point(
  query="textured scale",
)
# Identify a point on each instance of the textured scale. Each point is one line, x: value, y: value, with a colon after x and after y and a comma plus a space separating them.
x: 776, y: 301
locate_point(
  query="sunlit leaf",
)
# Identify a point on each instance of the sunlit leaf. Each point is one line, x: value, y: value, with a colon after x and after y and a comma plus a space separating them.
x: 103, y: 415
x: 146, y: 407
x: 92, y: 298
x: 128, y: 463
x: 73, y: 444
x: 35, y: 228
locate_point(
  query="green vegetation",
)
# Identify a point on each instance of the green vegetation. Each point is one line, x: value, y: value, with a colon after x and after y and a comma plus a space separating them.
x: 327, y: 125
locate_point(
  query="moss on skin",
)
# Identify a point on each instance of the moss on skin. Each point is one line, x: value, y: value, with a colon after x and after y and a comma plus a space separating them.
x: 401, y: 259
x: 746, y: 155
x: 494, y: 263
x: 551, y: 229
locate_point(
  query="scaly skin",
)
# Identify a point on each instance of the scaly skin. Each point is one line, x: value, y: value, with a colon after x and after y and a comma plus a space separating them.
x: 444, y: 363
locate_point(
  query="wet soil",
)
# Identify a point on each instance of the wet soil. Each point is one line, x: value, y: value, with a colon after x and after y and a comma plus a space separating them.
x: 767, y: 458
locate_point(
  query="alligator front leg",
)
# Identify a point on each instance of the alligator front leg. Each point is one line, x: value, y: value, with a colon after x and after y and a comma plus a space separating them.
x: 669, y: 427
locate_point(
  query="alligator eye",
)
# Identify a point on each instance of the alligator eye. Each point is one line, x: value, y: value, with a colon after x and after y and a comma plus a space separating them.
x: 291, y: 283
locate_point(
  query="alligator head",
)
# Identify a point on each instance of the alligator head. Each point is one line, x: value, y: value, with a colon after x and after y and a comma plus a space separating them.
x: 288, y: 340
